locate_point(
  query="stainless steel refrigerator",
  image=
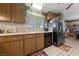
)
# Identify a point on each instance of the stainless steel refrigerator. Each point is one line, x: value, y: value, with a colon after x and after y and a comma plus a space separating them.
x: 58, y: 33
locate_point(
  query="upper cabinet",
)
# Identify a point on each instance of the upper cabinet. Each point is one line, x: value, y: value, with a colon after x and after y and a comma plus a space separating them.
x: 5, y: 12
x: 13, y: 12
x: 50, y: 15
x: 18, y: 12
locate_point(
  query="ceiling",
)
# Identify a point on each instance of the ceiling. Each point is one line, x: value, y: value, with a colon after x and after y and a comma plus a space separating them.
x: 71, y: 14
x: 54, y: 7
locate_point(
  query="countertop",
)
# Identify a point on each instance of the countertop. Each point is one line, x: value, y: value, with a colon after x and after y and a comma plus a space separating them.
x: 5, y: 34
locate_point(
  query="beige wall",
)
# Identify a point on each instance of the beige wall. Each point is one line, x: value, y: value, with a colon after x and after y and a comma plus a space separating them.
x: 74, y: 22
x: 13, y: 27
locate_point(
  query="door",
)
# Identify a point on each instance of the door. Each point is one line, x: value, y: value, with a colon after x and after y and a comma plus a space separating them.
x: 5, y: 12
x: 14, y: 48
x: 18, y: 11
x: 40, y: 42
x: 29, y: 44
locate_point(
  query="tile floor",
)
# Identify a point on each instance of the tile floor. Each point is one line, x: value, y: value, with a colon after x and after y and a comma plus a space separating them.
x: 71, y: 41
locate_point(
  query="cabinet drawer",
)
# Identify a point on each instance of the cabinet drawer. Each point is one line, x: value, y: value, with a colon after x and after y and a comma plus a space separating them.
x: 10, y: 38
x: 28, y: 36
x: 40, y: 35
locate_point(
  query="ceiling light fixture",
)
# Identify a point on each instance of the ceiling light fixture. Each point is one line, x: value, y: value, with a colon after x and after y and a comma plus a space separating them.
x: 37, y: 6
x: 60, y: 3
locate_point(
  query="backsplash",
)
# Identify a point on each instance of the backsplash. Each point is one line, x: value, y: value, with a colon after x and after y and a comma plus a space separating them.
x: 12, y: 27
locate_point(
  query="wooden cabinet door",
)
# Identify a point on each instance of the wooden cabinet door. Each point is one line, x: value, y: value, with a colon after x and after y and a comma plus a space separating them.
x: 29, y: 45
x: 40, y: 41
x: 18, y: 12
x: 51, y: 15
x: 14, y: 48
x: 5, y: 12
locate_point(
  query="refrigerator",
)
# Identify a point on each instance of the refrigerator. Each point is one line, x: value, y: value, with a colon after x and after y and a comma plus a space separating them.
x: 58, y: 33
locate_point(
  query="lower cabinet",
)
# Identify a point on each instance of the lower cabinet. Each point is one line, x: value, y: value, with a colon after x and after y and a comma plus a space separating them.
x: 33, y: 43
x: 40, y: 42
x: 29, y: 44
x: 21, y: 45
x: 14, y: 48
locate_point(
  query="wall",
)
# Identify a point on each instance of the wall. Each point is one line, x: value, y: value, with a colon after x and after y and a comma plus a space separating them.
x: 35, y: 21
x: 72, y: 13
x: 74, y: 22
x: 12, y: 27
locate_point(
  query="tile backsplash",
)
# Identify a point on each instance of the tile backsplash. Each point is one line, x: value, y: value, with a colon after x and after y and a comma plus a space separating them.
x: 12, y: 27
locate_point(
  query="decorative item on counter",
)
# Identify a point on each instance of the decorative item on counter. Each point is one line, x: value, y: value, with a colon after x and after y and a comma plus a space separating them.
x: 45, y: 29
x: 1, y: 31
x: 50, y: 29
x: 41, y: 28
x: 30, y: 28
x: 7, y: 31
x: 14, y: 29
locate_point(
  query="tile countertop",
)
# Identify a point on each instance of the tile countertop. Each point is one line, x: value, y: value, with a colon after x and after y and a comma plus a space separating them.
x: 5, y: 34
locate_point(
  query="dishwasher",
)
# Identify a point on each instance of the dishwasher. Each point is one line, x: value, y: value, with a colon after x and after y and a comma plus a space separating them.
x: 47, y: 39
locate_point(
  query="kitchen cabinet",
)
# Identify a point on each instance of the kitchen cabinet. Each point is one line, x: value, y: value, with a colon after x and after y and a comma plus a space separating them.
x: 18, y: 11
x: 39, y: 41
x: 5, y: 12
x: 11, y: 45
x: 29, y: 44
x: 50, y: 15
x: 18, y: 45
x: 34, y: 42
x: 10, y: 38
x: 12, y: 12
x: 14, y: 48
